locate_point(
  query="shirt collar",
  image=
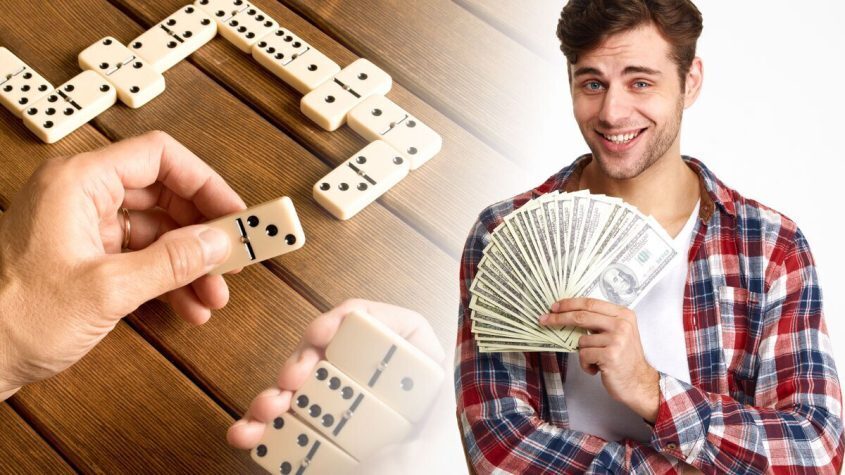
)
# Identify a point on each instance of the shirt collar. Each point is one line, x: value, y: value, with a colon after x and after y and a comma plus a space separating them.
x: 713, y: 192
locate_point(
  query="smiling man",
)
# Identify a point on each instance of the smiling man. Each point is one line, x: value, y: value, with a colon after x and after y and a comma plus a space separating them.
x: 725, y: 366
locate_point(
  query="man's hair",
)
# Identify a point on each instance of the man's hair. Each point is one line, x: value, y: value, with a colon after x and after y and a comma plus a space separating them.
x: 586, y: 23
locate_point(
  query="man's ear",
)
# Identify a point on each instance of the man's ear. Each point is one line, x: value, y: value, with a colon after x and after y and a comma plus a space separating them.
x: 695, y: 78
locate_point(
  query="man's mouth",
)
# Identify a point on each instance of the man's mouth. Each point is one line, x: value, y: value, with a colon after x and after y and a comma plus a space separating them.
x: 623, y: 138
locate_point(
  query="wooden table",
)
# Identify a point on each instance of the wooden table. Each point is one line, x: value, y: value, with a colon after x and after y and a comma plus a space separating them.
x: 157, y: 395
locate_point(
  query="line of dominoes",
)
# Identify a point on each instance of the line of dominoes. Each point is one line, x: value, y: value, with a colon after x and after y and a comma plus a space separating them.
x: 332, y: 96
x: 371, y: 389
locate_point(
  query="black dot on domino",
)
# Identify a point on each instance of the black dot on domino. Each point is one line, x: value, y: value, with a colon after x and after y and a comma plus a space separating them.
x: 347, y: 392
x: 32, y: 111
x: 286, y: 468
x: 329, y: 99
x: 104, y: 65
x: 50, y: 111
x: 172, y: 44
x: 42, y: 87
x: 69, y: 88
x: 412, y: 123
x: 398, y: 160
x: 376, y: 112
x: 328, y: 420
x: 313, y: 67
x: 324, y: 186
x: 412, y: 150
x: 302, y: 440
x: 362, y: 186
x: 363, y: 76
x: 334, y: 383
x: 48, y: 125
x: 188, y: 34
x: 314, y: 410
x: 407, y: 384
x: 361, y: 160
x: 189, y: 10
x: 107, y: 41
x: 135, y: 89
x: 302, y: 400
x: 105, y: 88
x: 343, y: 186
x: 290, y: 239
x: 137, y: 44
x: 27, y: 75
x: 261, y: 450
x: 23, y: 101
x: 322, y: 374
x: 252, y: 221
x: 8, y: 88
x: 278, y: 423
x: 70, y: 111
x: 272, y: 230
x: 205, y: 22
x: 137, y: 65
x: 52, y: 98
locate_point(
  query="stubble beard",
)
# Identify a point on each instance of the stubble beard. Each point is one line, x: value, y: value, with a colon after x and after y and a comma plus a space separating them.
x: 662, y: 141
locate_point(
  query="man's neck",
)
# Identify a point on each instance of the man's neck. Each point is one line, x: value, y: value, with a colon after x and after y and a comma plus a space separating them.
x: 668, y: 190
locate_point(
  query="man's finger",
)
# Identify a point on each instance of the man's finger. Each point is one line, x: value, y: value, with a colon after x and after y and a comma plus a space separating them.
x: 175, y: 260
x: 139, y: 162
x: 588, y: 304
x: 592, y: 321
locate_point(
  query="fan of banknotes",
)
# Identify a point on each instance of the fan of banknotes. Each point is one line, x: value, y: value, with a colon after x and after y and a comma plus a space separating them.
x: 562, y: 245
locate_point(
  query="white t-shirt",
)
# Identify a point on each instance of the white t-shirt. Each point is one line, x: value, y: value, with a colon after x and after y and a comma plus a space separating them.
x: 660, y: 323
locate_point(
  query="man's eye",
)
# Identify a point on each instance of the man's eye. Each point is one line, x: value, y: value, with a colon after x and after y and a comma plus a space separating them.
x: 641, y: 84
x: 593, y: 86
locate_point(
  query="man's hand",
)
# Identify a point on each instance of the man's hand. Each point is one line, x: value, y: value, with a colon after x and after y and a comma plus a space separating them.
x: 247, y: 432
x: 613, y: 348
x: 64, y: 282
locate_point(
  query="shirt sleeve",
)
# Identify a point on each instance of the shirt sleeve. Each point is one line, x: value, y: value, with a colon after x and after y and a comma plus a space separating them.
x: 795, y: 423
x: 498, y: 406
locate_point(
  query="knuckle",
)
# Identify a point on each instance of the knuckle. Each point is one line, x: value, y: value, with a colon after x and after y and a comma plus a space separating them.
x: 181, y: 256
x: 579, y: 317
x: 158, y: 137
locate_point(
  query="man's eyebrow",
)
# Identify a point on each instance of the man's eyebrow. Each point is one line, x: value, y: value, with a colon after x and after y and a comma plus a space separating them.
x: 587, y: 70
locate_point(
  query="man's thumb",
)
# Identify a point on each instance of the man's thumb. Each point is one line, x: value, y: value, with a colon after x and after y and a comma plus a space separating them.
x: 176, y: 259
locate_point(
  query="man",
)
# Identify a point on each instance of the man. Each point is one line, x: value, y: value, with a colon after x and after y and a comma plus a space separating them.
x: 740, y: 377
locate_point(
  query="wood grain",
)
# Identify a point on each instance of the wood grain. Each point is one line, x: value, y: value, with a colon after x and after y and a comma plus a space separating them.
x: 466, y: 171
x: 488, y: 83
x: 24, y: 451
x: 532, y: 23
x: 124, y: 408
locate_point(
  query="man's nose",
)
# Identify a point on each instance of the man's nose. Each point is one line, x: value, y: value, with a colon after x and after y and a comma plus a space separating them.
x: 615, y: 108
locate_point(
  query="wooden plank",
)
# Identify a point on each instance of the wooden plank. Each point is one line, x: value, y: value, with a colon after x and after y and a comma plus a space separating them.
x: 24, y: 451
x: 487, y: 82
x: 461, y: 174
x: 375, y: 255
x: 532, y: 23
x: 124, y: 409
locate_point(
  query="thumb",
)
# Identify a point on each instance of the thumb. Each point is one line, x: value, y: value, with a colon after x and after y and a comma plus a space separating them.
x: 176, y: 259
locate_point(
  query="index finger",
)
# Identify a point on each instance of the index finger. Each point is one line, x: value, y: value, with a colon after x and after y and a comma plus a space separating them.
x: 588, y: 304
x: 157, y: 157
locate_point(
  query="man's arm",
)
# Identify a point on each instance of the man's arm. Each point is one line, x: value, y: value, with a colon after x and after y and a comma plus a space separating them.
x: 498, y: 396
x: 795, y: 425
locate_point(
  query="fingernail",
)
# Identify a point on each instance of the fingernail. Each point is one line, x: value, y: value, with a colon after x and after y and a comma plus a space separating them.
x: 272, y: 392
x: 215, y: 245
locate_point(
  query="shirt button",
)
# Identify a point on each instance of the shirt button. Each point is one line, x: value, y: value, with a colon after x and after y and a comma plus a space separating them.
x: 671, y: 446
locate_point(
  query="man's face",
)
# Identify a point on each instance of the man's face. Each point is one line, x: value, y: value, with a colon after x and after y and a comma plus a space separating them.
x: 628, y: 101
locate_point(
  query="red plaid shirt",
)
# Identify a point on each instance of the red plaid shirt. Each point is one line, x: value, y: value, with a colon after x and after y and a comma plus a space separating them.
x: 764, y: 397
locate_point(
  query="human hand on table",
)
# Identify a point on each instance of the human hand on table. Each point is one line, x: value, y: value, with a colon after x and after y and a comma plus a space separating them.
x: 64, y: 282
x: 247, y: 432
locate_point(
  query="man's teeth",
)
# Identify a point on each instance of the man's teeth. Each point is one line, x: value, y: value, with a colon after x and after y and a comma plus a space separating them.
x: 621, y: 138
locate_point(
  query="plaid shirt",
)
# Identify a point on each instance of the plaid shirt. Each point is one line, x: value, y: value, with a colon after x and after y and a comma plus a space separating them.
x: 764, y: 397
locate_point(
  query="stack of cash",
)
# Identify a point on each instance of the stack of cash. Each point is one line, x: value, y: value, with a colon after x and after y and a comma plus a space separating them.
x: 557, y: 246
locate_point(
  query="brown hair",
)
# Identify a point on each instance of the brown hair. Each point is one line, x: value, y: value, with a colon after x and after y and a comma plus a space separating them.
x: 586, y: 23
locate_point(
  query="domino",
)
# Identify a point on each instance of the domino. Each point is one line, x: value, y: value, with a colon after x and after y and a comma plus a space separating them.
x: 247, y: 27
x: 294, y: 61
x: 329, y: 104
x: 20, y: 86
x: 70, y: 106
x: 377, y: 117
x: 391, y: 368
x: 222, y: 10
x: 360, y: 180
x: 291, y: 447
x: 260, y: 233
x: 175, y: 38
x: 346, y: 413
x: 136, y: 82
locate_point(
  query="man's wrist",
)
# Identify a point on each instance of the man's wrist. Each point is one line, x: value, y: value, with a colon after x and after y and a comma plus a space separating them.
x: 647, y: 402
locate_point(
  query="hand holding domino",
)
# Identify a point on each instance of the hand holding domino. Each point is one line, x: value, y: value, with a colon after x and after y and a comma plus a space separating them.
x: 336, y: 405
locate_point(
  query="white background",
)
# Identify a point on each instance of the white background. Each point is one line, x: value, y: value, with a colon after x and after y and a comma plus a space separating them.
x: 770, y: 122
